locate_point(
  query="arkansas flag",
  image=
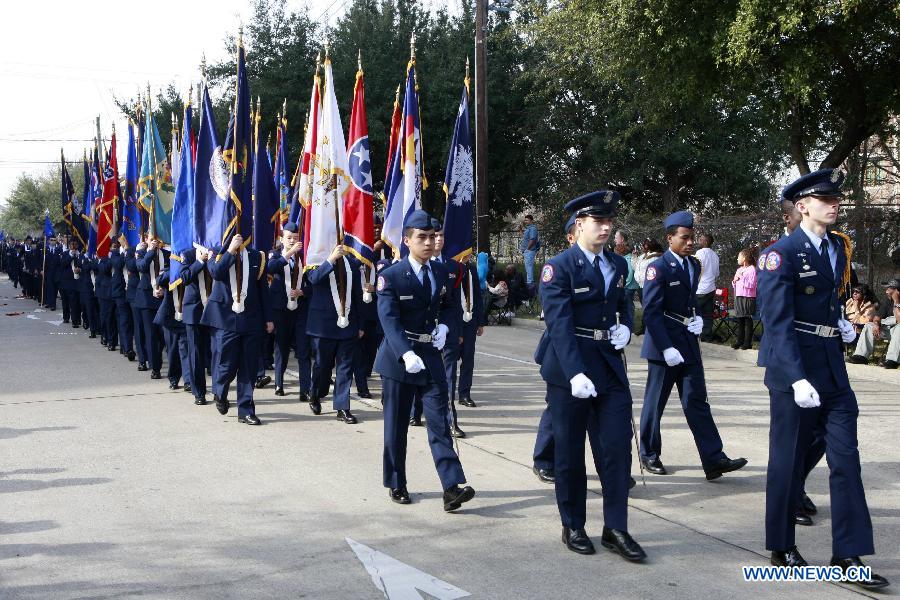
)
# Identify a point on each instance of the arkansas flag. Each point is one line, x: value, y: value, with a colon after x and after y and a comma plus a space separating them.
x: 359, y: 230
x: 105, y: 216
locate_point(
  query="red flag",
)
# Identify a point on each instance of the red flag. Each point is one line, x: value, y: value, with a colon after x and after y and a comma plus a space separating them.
x: 359, y: 230
x: 105, y: 216
x: 394, y: 138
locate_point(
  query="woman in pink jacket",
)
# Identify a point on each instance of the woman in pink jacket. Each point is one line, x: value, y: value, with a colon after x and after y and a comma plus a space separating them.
x: 744, y: 299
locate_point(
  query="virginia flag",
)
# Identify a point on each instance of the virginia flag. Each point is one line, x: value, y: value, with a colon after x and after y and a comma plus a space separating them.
x: 48, y: 226
x: 131, y: 213
x: 238, y: 155
x: 459, y: 186
x: 182, y: 210
x: 156, y: 192
x: 266, y: 209
x: 69, y: 201
x: 359, y: 231
x: 105, y: 216
x: 330, y: 179
x: 211, y: 180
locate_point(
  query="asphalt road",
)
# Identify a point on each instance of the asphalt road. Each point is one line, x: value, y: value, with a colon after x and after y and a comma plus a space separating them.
x: 112, y: 486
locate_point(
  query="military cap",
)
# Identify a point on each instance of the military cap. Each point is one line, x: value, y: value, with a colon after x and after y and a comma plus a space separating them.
x: 436, y: 224
x: 893, y: 283
x: 292, y: 227
x: 682, y: 218
x: 824, y: 182
x: 418, y: 219
x: 602, y: 203
x: 570, y: 223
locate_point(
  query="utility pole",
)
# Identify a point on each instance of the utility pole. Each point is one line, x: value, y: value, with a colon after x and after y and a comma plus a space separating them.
x: 482, y: 210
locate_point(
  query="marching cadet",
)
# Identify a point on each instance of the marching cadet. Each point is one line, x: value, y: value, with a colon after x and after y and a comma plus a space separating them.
x: 807, y: 378
x: 237, y: 313
x: 68, y: 284
x: 168, y: 318
x: 133, y: 282
x: 366, y: 346
x: 48, y: 274
x: 672, y: 350
x: 290, y: 305
x: 149, y: 266
x: 413, y: 308
x: 472, y: 327
x: 117, y: 292
x: 582, y: 291
x: 90, y: 314
x: 197, y: 288
x: 332, y: 336
x: 108, y: 325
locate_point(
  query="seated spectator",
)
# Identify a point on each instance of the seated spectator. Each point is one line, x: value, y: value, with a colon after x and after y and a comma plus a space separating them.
x: 744, y: 299
x: 497, y: 293
x: 859, y: 306
x: 518, y: 289
x: 884, y: 325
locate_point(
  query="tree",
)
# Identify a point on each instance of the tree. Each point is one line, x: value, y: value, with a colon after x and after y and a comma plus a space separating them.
x: 31, y: 196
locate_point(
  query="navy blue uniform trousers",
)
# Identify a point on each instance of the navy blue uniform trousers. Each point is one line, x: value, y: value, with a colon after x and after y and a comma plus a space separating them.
x: 125, y: 324
x: 544, y: 448
x: 291, y: 331
x: 197, y: 337
x: 238, y: 358
x: 327, y: 352
x: 177, y: 354
x: 152, y: 341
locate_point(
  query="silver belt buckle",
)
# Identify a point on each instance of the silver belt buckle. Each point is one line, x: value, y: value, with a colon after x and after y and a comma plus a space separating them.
x: 600, y: 335
x: 424, y: 338
x: 824, y: 331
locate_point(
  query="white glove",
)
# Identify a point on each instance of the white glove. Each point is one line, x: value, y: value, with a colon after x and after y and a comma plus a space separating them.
x: 439, y: 336
x: 672, y: 357
x: 413, y: 363
x: 582, y: 387
x: 805, y: 395
x: 695, y: 325
x: 848, y: 334
x: 620, y: 337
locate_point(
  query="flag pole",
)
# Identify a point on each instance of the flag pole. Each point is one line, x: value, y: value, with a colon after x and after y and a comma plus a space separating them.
x: 44, y: 269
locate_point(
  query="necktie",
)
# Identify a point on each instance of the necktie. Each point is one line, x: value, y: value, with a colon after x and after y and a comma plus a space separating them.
x: 824, y: 250
x: 426, y: 281
x: 599, y: 273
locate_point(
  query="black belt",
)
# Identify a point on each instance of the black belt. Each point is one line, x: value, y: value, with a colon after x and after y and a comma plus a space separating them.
x: 825, y: 331
x: 593, y: 334
x: 679, y: 318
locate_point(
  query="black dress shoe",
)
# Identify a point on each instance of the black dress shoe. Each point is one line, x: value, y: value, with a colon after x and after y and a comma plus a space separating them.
x: 631, y: 482
x: 102, y: 341
x: 304, y: 397
x: 456, y: 496
x: 111, y: 348
x: 221, y: 405
x: 621, y: 542
x: 807, y: 505
x: 400, y: 496
x: 346, y: 416
x: 263, y: 381
x: 279, y: 391
x: 365, y: 394
x: 187, y: 388
x: 726, y: 465
x: 200, y: 401
x: 801, y: 518
x: 874, y: 582
x: 250, y: 420
x: 174, y: 386
x: 859, y: 359
x: 544, y: 475
x: 131, y: 355
x: 65, y: 320
x: 315, y: 406
x: 456, y: 432
x: 155, y: 375
x: 655, y: 466
x: 787, y: 558
x: 142, y: 366
x: 577, y: 540
x: 92, y: 336
x: 467, y: 401
x: 415, y: 421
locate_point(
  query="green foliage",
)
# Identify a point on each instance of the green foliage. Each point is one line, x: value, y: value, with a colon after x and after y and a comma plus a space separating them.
x: 31, y: 196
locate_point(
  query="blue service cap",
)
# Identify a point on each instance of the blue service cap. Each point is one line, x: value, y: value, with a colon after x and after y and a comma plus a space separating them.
x: 418, y: 219
x: 570, y: 223
x: 602, y: 203
x: 682, y: 218
x: 377, y: 219
x: 824, y: 182
x: 437, y: 225
x: 292, y: 227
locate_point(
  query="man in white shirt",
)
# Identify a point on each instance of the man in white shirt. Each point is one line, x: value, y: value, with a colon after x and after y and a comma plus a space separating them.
x: 706, y: 289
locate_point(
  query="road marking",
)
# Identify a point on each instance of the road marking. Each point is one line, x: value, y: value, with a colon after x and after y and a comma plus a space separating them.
x: 57, y: 323
x: 34, y: 317
x: 399, y: 581
x: 518, y: 360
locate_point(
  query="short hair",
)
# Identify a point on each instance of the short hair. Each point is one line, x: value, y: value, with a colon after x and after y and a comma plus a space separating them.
x: 529, y: 217
x: 672, y: 229
x: 787, y: 207
x: 408, y: 231
x: 708, y: 237
x: 623, y: 234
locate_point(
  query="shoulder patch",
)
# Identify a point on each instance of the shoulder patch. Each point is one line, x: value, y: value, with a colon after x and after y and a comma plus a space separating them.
x: 382, y: 283
x: 761, y: 263
x: 547, y: 273
x: 773, y: 261
x: 651, y: 273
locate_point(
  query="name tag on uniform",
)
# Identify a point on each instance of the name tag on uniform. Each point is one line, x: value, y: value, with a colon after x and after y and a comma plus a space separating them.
x: 808, y: 274
x: 671, y: 283
x: 406, y: 297
x: 582, y: 290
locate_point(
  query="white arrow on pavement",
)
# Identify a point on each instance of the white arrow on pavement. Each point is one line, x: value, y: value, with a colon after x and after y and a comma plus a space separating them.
x: 34, y: 317
x: 399, y: 581
x: 57, y: 323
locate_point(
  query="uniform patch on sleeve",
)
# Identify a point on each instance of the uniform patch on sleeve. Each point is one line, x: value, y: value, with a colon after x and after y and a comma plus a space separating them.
x: 651, y: 273
x: 761, y: 263
x: 382, y: 283
x: 773, y: 261
x: 547, y: 273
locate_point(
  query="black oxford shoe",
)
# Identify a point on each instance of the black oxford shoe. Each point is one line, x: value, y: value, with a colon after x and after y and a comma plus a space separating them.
x: 263, y: 381
x: 130, y: 354
x: 250, y: 420
x: 544, y: 475
x: 467, y: 401
x: 622, y: 543
x: 174, y: 386
x: 788, y: 558
x: 155, y: 375
x: 726, y: 465
x: 315, y: 406
x: 874, y: 582
x: 304, y: 397
x: 187, y: 388
x: 807, y: 505
x: 111, y: 348
x: 221, y: 405
x: 365, y: 394
x: 456, y: 432
x: 801, y: 518
x: 279, y: 391
x: 655, y: 466
x: 346, y: 416
x: 415, y: 422
x: 142, y: 366
x: 456, y: 496
x: 400, y: 496
x: 200, y: 401
x: 577, y: 540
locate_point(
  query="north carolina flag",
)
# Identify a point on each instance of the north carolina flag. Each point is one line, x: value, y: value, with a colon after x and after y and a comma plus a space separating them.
x: 459, y: 186
x: 359, y: 229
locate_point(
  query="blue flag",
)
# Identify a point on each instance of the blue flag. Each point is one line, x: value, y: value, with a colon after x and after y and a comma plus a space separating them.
x: 182, y: 211
x: 266, y: 210
x: 131, y: 213
x: 77, y: 231
x: 48, y: 226
x: 210, y: 181
x: 283, y: 172
x: 95, y: 194
x: 156, y: 192
x: 459, y: 186
x: 238, y: 155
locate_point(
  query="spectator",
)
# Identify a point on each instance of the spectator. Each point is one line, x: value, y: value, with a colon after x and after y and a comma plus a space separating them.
x: 529, y: 246
x: 706, y: 288
x: 497, y: 292
x: 860, y: 307
x: 652, y: 250
x: 744, y: 299
x: 518, y: 289
x: 882, y: 326
x: 624, y: 250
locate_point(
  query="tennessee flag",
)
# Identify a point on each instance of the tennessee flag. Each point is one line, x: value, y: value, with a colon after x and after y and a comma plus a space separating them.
x: 359, y: 230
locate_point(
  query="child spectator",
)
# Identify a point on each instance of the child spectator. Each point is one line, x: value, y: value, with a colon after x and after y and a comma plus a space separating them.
x: 744, y: 299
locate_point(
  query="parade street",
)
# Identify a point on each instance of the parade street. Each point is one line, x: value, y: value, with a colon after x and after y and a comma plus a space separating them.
x: 113, y: 486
